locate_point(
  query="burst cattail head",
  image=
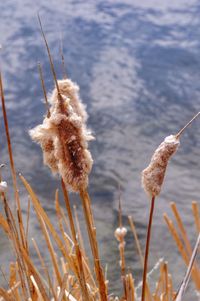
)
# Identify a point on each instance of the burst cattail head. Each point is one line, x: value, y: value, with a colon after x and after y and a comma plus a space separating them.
x: 64, y: 137
x: 153, y: 175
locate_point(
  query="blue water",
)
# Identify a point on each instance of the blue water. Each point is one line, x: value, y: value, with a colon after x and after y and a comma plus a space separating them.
x: 138, y: 67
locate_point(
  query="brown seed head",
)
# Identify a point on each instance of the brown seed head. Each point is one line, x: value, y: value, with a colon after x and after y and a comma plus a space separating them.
x: 153, y: 175
x: 64, y: 138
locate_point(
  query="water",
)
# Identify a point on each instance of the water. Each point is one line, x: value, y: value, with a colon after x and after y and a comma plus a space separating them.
x: 138, y: 67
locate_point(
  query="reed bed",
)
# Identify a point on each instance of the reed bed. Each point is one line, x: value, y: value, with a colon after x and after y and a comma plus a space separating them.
x: 71, y: 274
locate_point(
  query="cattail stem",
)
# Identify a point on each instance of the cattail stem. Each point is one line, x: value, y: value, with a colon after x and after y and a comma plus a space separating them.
x: 147, y: 248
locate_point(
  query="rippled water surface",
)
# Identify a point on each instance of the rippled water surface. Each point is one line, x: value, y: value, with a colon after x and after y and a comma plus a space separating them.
x: 138, y: 67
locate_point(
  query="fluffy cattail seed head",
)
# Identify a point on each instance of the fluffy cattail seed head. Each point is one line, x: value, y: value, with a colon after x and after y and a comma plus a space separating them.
x: 63, y: 137
x: 120, y: 233
x: 153, y: 175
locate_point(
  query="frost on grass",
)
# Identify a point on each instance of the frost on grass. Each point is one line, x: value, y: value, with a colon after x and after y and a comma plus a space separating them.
x: 63, y: 137
x: 153, y: 175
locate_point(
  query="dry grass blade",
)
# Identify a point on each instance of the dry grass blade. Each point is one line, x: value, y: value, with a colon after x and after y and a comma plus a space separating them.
x: 39, y: 295
x: 77, y: 249
x: 13, y: 283
x: 49, y: 54
x: 12, y: 165
x: 63, y: 288
x: 180, y: 246
x: 17, y: 244
x: 6, y: 296
x: 181, y: 227
x: 40, y: 212
x: 196, y: 214
x: 130, y: 289
x: 45, y: 269
x: 44, y: 89
x: 93, y: 243
x: 4, y: 224
x: 80, y: 238
x: 133, y: 229
x: 33, y: 271
x: 51, y: 252
x: 188, y: 273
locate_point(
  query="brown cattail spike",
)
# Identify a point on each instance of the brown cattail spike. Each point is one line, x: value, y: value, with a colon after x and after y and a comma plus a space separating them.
x: 153, y: 175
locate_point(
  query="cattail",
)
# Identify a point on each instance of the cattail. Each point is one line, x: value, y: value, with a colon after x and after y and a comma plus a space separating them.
x: 63, y: 138
x: 152, y: 180
x: 153, y: 175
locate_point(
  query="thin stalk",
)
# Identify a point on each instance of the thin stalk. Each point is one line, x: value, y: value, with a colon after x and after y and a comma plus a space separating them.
x: 188, y: 272
x: 77, y: 248
x: 44, y: 89
x: 181, y: 248
x: 133, y: 229
x: 49, y: 54
x: 183, y: 129
x: 196, y: 214
x: 12, y: 165
x: 147, y: 248
x: 93, y: 243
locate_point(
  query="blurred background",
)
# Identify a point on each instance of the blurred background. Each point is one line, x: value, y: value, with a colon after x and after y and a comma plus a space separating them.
x: 138, y: 67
